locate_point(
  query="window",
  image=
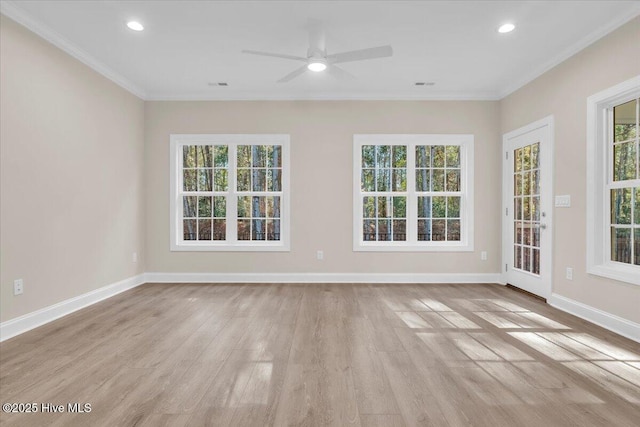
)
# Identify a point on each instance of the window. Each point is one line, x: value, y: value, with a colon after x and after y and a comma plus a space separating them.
x: 413, y: 193
x: 229, y: 192
x: 613, y: 196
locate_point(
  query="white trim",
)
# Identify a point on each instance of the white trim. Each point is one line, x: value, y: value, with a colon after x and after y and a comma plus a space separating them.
x: 232, y: 141
x: 569, y: 52
x: 11, y: 10
x: 609, y: 321
x: 322, y: 278
x: 230, y: 95
x: 598, y: 262
x: 32, y: 320
x: 507, y: 203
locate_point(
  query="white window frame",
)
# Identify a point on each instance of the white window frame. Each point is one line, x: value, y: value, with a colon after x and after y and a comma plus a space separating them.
x: 177, y: 141
x: 466, y: 142
x: 599, y: 175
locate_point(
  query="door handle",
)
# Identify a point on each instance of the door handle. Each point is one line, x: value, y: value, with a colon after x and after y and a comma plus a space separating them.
x: 542, y: 226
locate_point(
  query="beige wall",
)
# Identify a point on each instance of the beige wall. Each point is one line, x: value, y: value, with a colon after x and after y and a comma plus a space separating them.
x: 563, y: 92
x: 71, y: 175
x: 321, y: 180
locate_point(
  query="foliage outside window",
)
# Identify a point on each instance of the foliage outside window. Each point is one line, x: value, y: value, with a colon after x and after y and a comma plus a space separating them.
x: 413, y: 192
x: 229, y: 192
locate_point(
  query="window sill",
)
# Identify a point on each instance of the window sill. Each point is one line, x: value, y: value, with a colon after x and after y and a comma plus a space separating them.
x: 621, y: 272
x: 368, y: 247
x: 280, y: 247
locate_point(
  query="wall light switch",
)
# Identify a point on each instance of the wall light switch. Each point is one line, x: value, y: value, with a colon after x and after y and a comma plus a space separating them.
x: 563, y: 201
x: 569, y: 273
x: 483, y: 255
x: 18, y: 287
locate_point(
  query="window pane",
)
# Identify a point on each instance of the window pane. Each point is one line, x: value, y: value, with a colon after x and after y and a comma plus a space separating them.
x: 453, y: 207
x: 219, y: 229
x: 424, y: 232
x: 637, y: 207
x: 535, y: 208
x: 244, y: 207
x: 453, y: 230
x: 204, y: 180
x: 259, y: 182
x: 383, y: 179
x: 438, y: 229
x: 204, y: 207
x: 453, y: 156
x: 220, y: 180
x: 624, y: 166
x: 189, y: 229
x: 368, y: 207
x: 384, y: 208
x: 437, y: 180
x: 517, y: 257
x: 526, y: 259
x: 368, y: 180
x: 518, y: 184
x: 636, y: 244
x: 624, y: 119
x: 274, y: 180
x: 244, y: 180
x: 221, y: 159
x: 244, y: 229
x: 526, y: 183
x: 518, y: 232
x: 621, y: 244
x: 423, y: 180
x: 189, y: 206
x: 258, y: 207
x: 369, y: 230
x: 383, y: 155
x: 535, y: 237
x: 205, y: 156
x: 220, y: 207
x: 517, y: 160
x: 258, y: 230
x: 399, y: 230
x: 368, y: 156
x: 384, y: 230
x: 535, y: 151
x: 526, y: 233
x: 438, y: 156
x: 424, y: 207
x: 204, y: 229
x: 399, y: 156
x: 189, y: 180
x: 423, y: 156
x: 274, y: 156
x: 244, y: 156
x: 399, y: 207
x: 399, y: 182
x: 535, y: 264
x: 535, y: 182
x: 259, y: 156
x: 273, y: 229
x: 439, y: 208
x: 526, y: 208
x: 453, y: 180
x: 189, y: 156
x: 273, y: 207
x: 621, y: 206
x: 526, y: 158
x: 517, y: 208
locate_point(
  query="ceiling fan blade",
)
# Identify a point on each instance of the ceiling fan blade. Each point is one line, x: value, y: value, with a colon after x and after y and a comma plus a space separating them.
x: 292, y: 75
x: 316, y: 38
x: 275, y: 55
x: 360, y: 55
x: 340, y: 73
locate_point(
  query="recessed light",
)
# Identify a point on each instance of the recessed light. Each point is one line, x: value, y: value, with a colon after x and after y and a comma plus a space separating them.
x: 506, y: 28
x: 135, y: 26
x: 425, y: 83
x: 218, y: 84
x: 317, y: 66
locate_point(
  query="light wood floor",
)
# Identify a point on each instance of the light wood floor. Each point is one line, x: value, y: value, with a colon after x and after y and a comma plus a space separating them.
x: 312, y: 355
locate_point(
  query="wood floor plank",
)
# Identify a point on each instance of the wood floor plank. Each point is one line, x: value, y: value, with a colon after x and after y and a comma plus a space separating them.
x: 323, y: 354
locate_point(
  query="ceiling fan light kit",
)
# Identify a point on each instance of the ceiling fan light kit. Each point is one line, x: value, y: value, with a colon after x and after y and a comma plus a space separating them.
x: 317, y: 59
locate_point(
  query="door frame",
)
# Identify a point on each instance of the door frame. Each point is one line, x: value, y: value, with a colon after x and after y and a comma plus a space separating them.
x: 507, y: 199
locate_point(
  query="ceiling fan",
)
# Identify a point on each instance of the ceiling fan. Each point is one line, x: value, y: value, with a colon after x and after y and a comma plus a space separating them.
x: 318, y: 60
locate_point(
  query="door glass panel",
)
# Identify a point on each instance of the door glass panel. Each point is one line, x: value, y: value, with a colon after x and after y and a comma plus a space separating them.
x: 526, y: 201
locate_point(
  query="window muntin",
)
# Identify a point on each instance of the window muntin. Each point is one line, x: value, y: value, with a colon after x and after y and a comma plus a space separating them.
x: 624, y: 182
x: 229, y: 192
x: 413, y: 192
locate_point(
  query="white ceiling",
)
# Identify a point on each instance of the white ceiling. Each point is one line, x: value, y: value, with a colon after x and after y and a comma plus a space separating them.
x: 188, y: 44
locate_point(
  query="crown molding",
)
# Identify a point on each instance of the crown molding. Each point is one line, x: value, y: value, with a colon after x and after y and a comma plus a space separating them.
x: 328, y: 96
x: 569, y: 52
x: 13, y: 11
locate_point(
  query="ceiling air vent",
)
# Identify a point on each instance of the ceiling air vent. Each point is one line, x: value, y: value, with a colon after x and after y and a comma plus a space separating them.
x: 425, y: 83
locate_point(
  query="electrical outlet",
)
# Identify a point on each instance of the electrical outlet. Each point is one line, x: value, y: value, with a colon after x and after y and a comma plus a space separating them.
x: 569, y: 273
x: 320, y: 255
x: 483, y: 255
x: 134, y: 257
x: 18, y: 287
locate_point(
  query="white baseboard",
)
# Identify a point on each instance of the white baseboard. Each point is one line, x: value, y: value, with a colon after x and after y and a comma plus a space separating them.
x: 22, y: 324
x: 620, y: 326
x: 321, y: 278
